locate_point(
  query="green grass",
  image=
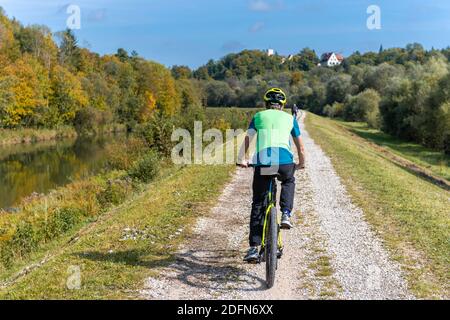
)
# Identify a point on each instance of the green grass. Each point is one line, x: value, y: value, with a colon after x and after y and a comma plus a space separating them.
x: 322, y: 267
x: 43, y: 219
x: 113, y: 267
x: 435, y: 161
x: 411, y: 214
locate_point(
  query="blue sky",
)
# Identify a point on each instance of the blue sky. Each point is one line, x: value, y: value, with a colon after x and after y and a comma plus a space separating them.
x: 191, y: 32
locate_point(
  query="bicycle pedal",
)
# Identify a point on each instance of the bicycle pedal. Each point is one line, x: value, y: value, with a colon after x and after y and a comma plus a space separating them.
x: 254, y: 261
x: 262, y: 256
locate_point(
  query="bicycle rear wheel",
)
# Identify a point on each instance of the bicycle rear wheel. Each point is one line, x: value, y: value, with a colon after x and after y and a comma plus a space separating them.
x: 271, y: 247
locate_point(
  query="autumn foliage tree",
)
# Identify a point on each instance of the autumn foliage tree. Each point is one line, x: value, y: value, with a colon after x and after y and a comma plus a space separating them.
x: 67, y: 97
x: 155, y: 78
x: 44, y: 83
x: 25, y: 90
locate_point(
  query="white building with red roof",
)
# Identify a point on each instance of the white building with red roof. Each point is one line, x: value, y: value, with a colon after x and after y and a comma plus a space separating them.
x: 331, y: 59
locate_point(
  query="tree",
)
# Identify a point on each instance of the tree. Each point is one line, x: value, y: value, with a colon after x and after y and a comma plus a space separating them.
x: 9, y: 49
x: 89, y: 121
x: 338, y: 87
x: 416, y: 52
x: 24, y: 89
x: 122, y: 54
x: 334, y: 111
x: 306, y: 60
x: 378, y: 77
x: 129, y: 101
x: 69, y: 52
x: 155, y: 78
x: 369, y: 58
x: 420, y: 115
x: 296, y: 78
x: 189, y: 92
x: 181, y: 72
x: 219, y: 93
x: 317, y: 99
x: 202, y: 73
x: 37, y: 41
x: 66, y: 99
x: 147, y: 108
x: 243, y: 65
x: 99, y: 92
x: 433, y: 123
x: 363, y: 107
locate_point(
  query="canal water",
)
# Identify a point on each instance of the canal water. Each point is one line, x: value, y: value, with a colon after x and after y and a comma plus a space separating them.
x: 37, y: 168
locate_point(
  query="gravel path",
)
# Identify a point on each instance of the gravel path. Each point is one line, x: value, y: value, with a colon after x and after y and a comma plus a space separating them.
x: 330, y: 254
x: 362, y: 266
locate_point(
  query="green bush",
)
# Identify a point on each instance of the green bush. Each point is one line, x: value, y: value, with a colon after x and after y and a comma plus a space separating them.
x: 146, y: 168
x: 121, y: 155
x: 24, y: 240
x: 63, y: 220
x: 363, y: 107
x: 89, y: 121
x: 158, y: 133
x: 6, y: 256
x: 334, y: 111
x: 29, y: 234
x: 115, y: 193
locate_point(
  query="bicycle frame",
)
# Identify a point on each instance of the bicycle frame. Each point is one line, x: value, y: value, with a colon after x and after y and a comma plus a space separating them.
x: 272, y: 203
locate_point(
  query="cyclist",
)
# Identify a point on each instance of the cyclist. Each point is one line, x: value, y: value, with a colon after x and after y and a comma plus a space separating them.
x: 273, y: 128
x: 294, y: 110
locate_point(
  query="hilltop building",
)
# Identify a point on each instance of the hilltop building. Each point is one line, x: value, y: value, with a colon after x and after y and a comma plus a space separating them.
x: 331, y: 59
x: 270, y: 52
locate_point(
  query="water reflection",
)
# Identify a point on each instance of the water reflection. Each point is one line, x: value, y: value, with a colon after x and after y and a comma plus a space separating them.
x: 43, y: 166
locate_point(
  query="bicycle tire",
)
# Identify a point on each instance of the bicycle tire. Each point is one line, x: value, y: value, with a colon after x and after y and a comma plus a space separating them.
x: 271, y: 248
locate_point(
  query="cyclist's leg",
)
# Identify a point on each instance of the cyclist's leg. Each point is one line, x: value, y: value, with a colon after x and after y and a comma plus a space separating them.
x: 286, y: 176
x: 260, y: 183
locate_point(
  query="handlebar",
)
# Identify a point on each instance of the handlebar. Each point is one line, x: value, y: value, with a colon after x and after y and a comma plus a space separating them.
x: 252, y: 165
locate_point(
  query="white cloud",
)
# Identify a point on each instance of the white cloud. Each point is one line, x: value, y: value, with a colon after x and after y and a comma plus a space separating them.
x: 260, y: 5
x: 258, y: 26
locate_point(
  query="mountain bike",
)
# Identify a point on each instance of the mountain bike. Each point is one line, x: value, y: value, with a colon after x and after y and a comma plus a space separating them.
x: 271, y: 243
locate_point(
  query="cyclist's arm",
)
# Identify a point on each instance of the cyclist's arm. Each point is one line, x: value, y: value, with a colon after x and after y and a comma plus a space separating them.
x: 243, y: 152
x: 300, y: 151
x: 296, y: 135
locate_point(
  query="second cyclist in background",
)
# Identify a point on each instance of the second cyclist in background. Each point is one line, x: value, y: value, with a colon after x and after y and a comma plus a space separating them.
x: 294, y: 110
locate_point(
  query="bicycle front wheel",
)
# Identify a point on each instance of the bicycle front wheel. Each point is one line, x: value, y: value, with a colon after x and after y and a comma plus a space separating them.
x: 271, y: 247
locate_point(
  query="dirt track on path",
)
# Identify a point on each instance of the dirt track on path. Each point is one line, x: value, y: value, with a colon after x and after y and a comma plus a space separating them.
x: 331, y: 252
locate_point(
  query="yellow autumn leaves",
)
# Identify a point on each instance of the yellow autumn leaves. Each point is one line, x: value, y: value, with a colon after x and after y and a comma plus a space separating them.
x: 43, y: 84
